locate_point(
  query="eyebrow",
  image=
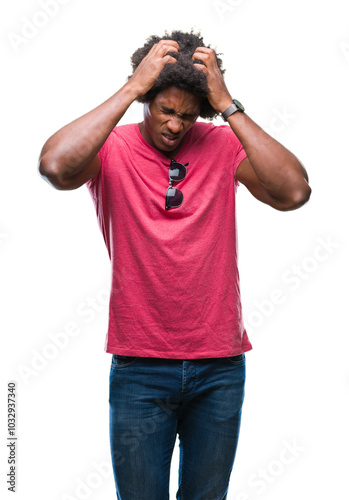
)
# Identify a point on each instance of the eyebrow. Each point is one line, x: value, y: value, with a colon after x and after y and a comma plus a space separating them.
x: 172, y: 112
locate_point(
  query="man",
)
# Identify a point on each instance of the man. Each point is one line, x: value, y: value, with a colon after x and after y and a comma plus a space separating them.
x: 164, y: 193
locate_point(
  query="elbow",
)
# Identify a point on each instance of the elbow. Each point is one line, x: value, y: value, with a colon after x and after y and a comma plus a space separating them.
x: 46, y: 167
x: 49, y: 172
x: 300, y: 197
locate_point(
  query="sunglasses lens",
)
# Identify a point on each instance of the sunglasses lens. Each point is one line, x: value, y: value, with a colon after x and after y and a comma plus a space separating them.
x: 177, y: 172
x: 174, y: 197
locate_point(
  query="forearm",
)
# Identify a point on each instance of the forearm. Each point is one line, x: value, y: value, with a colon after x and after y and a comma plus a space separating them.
x: 67, y: 151
x: 278, y: 170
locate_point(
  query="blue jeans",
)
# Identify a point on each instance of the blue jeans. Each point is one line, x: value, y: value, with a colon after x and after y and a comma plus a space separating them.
x: 153, y: 399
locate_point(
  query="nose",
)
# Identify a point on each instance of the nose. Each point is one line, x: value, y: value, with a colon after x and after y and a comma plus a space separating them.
x: 175, y: 125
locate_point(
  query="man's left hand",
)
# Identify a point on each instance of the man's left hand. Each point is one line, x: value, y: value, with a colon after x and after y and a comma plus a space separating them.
x: 219, y: 96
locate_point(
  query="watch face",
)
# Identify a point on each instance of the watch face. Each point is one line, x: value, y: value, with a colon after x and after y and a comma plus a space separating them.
x: 238, y: 104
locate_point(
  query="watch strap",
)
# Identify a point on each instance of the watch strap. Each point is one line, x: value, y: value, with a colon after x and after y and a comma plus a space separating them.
x: 229, y: 111
x: 235, y: 106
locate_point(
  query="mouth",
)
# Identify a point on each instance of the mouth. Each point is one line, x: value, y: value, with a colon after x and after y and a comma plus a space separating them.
x: 170, y: 139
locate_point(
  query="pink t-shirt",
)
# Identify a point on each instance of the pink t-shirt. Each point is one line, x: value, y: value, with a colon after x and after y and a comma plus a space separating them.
x: 175, y: 289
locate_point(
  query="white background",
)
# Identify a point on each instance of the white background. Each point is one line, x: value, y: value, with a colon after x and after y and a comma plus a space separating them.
x: 288, y: 59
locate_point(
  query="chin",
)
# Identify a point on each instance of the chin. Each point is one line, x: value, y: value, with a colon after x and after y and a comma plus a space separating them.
x: 164, y: 147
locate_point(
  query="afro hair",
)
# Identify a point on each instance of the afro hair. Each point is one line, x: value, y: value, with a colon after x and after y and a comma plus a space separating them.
x: 183, y: 74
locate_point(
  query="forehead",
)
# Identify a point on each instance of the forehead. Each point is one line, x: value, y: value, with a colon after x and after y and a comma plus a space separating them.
x: 179, y: 100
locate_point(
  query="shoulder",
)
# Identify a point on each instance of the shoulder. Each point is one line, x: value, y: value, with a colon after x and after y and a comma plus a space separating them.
x: 203, y: 128
x: 123, y: 131
x: 119, y: 139
x: 217, y: 133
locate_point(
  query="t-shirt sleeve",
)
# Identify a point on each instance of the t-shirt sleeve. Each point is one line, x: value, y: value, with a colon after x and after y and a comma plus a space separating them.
x: 231, y: 148
x: 240, y: 153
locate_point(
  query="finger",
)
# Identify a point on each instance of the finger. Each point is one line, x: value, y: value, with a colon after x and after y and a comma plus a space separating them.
x: 173, y: 42
x: 201, y: 56
x: 167, y: 49
x: 169, y: 60
x: 203, y: 59
x: 170, y: 43
x: 162, y: 47
x: 205, y: 50
x: 200, y: 67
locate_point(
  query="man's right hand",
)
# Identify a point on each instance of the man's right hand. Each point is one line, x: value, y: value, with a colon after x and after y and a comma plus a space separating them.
x: 151, y: 66
x: 69, y: 158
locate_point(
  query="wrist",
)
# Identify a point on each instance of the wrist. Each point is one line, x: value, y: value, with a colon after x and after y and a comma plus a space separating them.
x: 223, y: 105
x: 130, y: 91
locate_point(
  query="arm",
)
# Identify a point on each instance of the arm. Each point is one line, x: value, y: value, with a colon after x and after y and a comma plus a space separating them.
x: 69, y: 157
x: 270, y: 171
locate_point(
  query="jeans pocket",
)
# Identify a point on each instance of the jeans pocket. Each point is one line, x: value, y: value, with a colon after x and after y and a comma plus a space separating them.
x: 118, y: 360
x: 236, y: 360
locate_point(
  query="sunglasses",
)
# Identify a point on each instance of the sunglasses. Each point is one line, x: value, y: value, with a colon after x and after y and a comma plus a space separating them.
x: 176, y: 173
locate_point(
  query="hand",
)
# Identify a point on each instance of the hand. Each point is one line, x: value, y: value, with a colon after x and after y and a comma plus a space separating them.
x: 151, y: 66
x: 219, y: 96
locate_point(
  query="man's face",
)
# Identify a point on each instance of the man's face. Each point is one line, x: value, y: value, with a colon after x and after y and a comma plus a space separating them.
x: 167, y: 119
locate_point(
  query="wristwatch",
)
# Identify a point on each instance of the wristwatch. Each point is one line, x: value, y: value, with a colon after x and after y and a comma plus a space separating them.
x: 236, y: 106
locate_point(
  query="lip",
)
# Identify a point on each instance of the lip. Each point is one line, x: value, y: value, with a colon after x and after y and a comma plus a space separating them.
x: 168, y: 141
